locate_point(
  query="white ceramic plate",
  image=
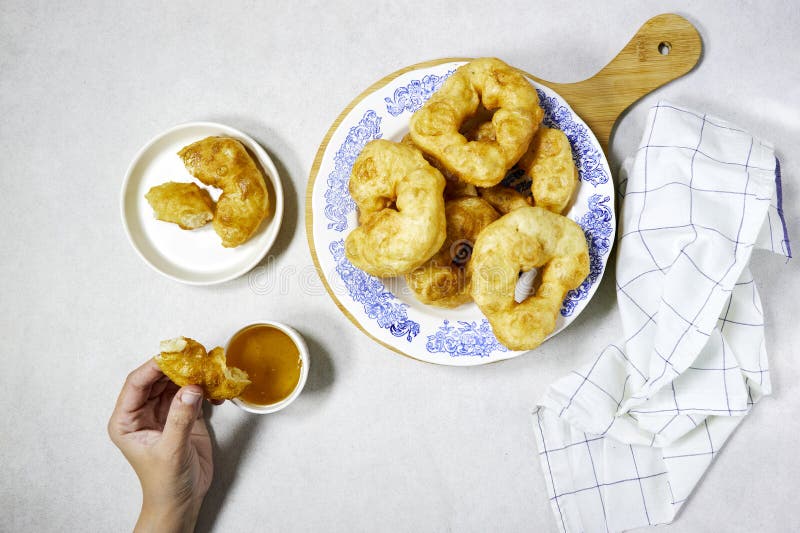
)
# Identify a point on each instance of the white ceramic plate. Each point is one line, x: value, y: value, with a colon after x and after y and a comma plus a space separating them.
x: 196, y: 257
x: 385, y: 309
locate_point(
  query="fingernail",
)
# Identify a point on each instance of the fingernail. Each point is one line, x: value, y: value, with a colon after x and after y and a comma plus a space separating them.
x: 190, y: 397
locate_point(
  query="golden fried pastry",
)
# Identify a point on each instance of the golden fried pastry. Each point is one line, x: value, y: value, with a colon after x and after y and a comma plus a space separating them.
x: 444, y: 280
x: 551, y: 168
x: 456, y: 188
x: 224, y: 163
x: 185, y: 362
x: 435, y: 127
x: 184, y: 204
x: 504, y: 199
x: 401, y: 209
x: 479, y: 127
x: 483, y: 132
x: 524, y: 239
x: 453, y: 187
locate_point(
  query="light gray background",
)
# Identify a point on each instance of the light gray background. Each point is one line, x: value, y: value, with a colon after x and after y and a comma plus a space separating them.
x: 377, y: 441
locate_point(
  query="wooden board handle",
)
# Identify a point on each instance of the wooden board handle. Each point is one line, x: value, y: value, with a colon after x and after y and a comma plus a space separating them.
x: 639, y: 68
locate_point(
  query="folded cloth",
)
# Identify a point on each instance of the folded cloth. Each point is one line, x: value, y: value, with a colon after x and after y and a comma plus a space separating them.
x: 624, y: 440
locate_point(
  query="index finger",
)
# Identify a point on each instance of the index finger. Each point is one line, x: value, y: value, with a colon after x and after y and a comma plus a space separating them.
x: 136, y: 390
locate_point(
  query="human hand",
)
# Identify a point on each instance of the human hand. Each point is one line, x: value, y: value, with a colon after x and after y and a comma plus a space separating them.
x: 160, y: 430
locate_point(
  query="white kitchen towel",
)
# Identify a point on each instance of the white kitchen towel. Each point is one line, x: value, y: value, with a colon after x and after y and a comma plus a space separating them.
x: 625, y: 439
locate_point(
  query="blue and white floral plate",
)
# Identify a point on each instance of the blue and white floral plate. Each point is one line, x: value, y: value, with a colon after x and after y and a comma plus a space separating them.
x: 385, y: 309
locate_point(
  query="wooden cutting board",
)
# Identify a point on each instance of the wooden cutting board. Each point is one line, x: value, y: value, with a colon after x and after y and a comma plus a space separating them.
x: 638, y: 69
x: 665, y: 48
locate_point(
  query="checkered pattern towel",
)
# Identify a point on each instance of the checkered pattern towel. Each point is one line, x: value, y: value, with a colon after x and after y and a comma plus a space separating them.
x: 625, y: 439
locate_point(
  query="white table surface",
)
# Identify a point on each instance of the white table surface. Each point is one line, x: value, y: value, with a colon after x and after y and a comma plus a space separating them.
x: 377, y: 441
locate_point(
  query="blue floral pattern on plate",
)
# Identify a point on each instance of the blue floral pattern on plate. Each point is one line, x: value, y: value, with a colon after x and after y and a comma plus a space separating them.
x: 469, y: 338
x: 598, y: 225
x: 587, y: 155
x: 411, y: 97
x: 338, y: 203
x: 379, y: 304
x: 374, y: 306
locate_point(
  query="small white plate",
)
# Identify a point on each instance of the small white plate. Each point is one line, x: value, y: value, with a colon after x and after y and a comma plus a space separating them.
x: 196, y: 257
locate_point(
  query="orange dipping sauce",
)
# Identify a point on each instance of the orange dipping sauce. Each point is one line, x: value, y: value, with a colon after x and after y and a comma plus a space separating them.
x: 271, y: 360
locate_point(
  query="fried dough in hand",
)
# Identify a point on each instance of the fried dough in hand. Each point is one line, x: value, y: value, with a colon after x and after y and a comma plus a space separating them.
x: 186, y: 362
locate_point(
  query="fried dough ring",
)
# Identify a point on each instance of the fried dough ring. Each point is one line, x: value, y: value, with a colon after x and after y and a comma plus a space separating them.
x: 527, y: 238
x: 500, y: 88
x: 444, y: 280
x: 401, y: 209
x: 551, y: 168
x: 224, y: 163
x: 548, y: 162
x: 504, y: 199
x: 186, y: 362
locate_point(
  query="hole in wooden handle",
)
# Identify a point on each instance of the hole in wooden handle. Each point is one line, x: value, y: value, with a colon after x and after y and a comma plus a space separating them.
x: 664, y: 48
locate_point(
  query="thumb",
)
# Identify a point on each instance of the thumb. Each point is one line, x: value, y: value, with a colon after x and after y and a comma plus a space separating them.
x: 181, y: 417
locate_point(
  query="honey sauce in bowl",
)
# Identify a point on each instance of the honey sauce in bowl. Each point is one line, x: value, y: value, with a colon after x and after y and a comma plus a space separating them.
x: 275, y: 359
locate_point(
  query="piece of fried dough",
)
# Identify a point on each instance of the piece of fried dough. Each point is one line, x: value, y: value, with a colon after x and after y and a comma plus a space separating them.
x: 551, y: 168
x: 527, y: 238
x: 401, y: 209
x: 444, y: 280
x: 454, y: 187
x: 435, y: 127
x: 184, y: 204
x: 504, y: 199
x: 224, y: 163
x: 186, y: 362
x: 549, y: 164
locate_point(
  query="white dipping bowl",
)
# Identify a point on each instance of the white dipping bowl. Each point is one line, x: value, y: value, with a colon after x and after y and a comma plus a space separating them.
x: 304, y: 358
